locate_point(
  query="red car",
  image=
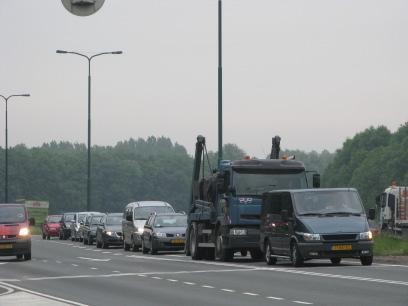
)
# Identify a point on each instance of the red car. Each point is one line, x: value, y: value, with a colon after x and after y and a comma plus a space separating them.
x: 51, y: 226
x: 15, y: 235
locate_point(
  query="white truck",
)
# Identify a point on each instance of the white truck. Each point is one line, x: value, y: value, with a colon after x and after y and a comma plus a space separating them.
x: 393, y: 209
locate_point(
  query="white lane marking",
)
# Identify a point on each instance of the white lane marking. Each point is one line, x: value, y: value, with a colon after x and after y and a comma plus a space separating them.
x: 93, y: 268
x: 96, y: 250
x: 141, y: 275
x: 172, y: 280
x: 275, y: 298
x: 198, y: 271
x: 8, y: 290
x: 189, y: 283
x: 208, y: 286
x: 44, y: 260
x: 117, y: 254
x: 3, y: 263
x: 156, y: 277
x: 250, y: 293
x: 94, y: 259
x: 74, y: 265
x: 357, y: 263
x: 115, y: 271
x: 58, y: 262
x: 82, y: 247
x: 106, y: 252
x: 88, y: 249
x: 43, y: 295
x: 301, y: 302
x: 228, y: 290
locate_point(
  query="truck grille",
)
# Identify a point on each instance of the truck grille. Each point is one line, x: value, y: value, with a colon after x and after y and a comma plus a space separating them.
x: 340, y: 237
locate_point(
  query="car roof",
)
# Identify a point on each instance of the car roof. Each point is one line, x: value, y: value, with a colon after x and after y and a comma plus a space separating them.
x: 148, y: 203
x: 317, y: 190
x: 114, y: 214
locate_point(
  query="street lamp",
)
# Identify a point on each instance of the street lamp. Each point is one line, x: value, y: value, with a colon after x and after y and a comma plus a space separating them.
x: 6, y: 172
x: 89, y: 58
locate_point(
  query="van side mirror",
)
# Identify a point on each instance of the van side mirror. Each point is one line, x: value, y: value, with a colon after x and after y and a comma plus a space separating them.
x: 371, y: 214
x: 31, y: 221
x: 285, y: 215
x: 316, y: 180
x: 129, y: 218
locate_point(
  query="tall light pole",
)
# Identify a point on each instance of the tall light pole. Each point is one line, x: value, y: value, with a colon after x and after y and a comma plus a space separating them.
x: 219, y: 81
x: 6, y: 170
x: 89, y: 58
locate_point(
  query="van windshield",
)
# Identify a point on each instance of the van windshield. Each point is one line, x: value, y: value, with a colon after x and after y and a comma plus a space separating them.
x: 143, y: 213
x: 328, y: 202
x: 12, y: 214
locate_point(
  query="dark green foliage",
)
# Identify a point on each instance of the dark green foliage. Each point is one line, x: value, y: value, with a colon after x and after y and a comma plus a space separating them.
x: 369, y: 161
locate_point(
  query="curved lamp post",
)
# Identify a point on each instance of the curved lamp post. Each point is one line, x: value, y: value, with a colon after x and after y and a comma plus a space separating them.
x: 6, y: 161
x: 89, y: 58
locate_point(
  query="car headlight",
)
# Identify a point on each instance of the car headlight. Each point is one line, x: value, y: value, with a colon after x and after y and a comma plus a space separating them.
x: 140, y: 230
x: 160, y: 235
x: 238, y: 231
x: 109, y: 233
x: 366, y: 236
x: 24, y: 231
x: 311, y: 237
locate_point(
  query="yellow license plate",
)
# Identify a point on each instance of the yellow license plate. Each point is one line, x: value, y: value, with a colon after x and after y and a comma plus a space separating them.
x: 342, y: 247
x: 6, y: 246
x: 178, y: 241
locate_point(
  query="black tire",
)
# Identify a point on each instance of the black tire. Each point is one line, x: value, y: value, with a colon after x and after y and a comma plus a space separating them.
x: 153, y: 250
x: 296, y: 257
x: 270, y: 260
x: 187, y: 245
x: 335, y: 260
x: 256, y: 254
x: 98, y: 244
x: 48, y: 237
x: 195, y: 251
x: 27, y: 256
x: 133, y: 246
x: 222, y: 253
x: 73, y: 238
x: 244, y: 253
x: 19, y: 256
x: 366, y: 260
x: 105, y: 245
x: 144, y: 250
x: 126, y: 247
x: 60, y: 236
x: 43, y: 235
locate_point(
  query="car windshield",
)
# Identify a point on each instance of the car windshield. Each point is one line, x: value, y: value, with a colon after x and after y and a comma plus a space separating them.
x: 143, y: 213
x: 81, y: 218
x: 12, y: 214
x: 69, y: 217
x: 171, y: 221
x: 96, y: 220
x: 328, y: 202
x: 114, y: 220
x: 258, y: 183
x: 54, y: 219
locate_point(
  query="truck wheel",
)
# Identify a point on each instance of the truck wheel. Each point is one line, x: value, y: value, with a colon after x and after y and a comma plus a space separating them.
x: 19, y: 256
x: 194, y: 249
x: 222, y: 253
x: 187, y: 244
x: 296, y: 257
x: 27, y: 256
x: 335, y: 260
x: 270, y: 260
x: 366, y: 260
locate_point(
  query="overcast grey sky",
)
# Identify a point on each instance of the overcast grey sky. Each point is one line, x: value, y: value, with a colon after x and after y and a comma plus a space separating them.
x: 314, y: 72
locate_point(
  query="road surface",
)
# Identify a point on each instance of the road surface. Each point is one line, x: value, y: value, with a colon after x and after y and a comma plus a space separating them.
x: 69, y: 273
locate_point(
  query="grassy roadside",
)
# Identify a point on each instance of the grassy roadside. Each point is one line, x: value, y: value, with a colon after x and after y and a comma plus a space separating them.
x: 35, y: 230
x: 389, y: 245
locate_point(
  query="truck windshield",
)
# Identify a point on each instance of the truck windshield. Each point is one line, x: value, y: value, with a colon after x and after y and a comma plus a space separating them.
x: 258, y: 183
x: 328, y: 202
x: 12, y: 214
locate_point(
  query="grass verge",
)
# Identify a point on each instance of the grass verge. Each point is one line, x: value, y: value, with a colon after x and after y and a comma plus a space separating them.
x: 389, y: 245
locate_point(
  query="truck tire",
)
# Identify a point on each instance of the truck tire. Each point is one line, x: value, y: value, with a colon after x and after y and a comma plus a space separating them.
x: 187, y: 244
x: 221, y: 253
x: 196, y: 252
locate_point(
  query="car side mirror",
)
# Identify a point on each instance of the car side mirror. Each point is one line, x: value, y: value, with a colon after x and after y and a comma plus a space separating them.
x: 285, y: 215
x: 129, y: 218
x: 31, y: 221
x: 316, y: 180
x: 371, y: 214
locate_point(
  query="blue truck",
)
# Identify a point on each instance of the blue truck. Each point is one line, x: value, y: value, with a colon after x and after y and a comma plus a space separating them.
x: 224, y: 216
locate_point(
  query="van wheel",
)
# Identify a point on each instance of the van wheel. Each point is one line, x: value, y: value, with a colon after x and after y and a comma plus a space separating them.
x: 222, y: 253
x: 366, y: 260
x: 335, y: 261
x: 296, y: 257
x: 268, y: 254
x: 27, y: 256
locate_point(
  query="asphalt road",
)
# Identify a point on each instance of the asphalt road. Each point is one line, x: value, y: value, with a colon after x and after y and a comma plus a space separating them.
x: 65, y: 272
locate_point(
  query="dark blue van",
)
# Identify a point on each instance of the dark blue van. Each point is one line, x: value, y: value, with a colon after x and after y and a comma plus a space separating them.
x: 308, y: 224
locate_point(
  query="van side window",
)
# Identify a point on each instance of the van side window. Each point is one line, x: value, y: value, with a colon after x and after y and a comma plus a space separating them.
x: 287, y: 203
x: 274, y: 207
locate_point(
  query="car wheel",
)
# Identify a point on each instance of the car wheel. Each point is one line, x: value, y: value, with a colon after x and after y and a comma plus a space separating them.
x: 105, y: 245
x: 222, y: 253
x: 366, y: 260
x: 20, y: 256
x: 153, y: 250
x: 296, y: 257
x: 256, y: 254
x: 335, y: 261
x: 48, y: 237
x: 126, y: 247
x: 27, y: 256
x: 270, y: 260
x: 144, y: 250
x: 73, y: 238
x: 133, y: 246
x: 244, y: 253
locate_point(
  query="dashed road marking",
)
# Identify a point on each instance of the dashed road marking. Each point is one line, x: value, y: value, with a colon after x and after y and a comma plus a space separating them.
x: 156, y: 277
x: 58, y: 262
x: 75, y: 265
x: 171, y: 280
x: 250, y: 293
x: 94, y: 259
x: 117, y: 254
x: 106, y: 252
x: 189, y: 283
x: 115, y: 271
x: 228, y: 290
x: 302, y: 302
x: 275, y: 298
x: 207, y: 286
x: 93, y: 268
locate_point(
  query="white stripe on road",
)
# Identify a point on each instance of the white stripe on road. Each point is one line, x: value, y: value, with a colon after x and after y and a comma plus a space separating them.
x: 208, y: 286
x: 106, y: 252
x: 189, y: 283
x: 301, y: 302
x: 228, y: 290
x: 172, y: 280
x: 8, y: 290
x: 250, y: 293
x: 94, y: 259
x: 275, y: 298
